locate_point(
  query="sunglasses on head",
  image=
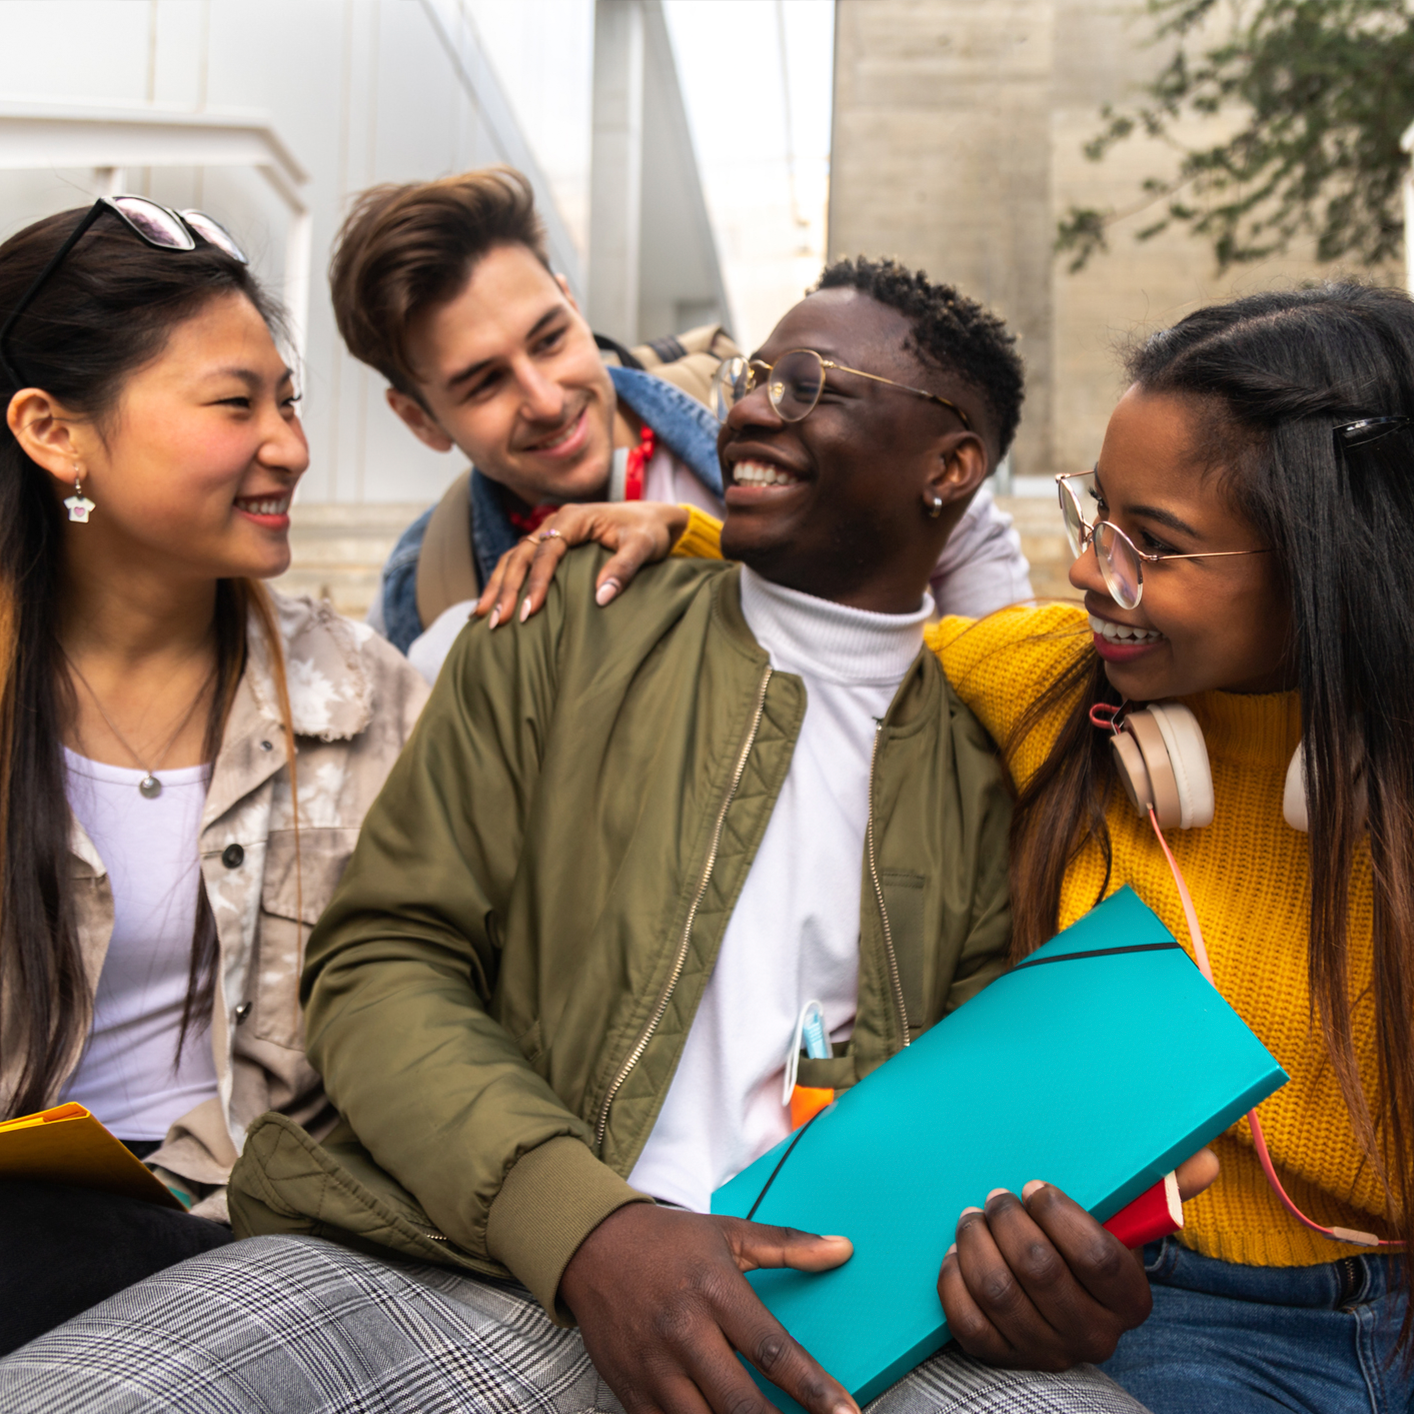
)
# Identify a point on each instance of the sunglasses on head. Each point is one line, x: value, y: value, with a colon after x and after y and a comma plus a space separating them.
x: 155, y: 224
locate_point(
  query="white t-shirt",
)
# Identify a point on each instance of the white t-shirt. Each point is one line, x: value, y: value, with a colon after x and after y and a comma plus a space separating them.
x: 794, y: 933
x: 665, y: 478
x: 129, y: 1076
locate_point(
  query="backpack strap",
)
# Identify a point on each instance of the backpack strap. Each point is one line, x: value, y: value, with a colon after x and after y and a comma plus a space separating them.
x: 616, y: 353
x: 688, y: 361
x: 446, y: 572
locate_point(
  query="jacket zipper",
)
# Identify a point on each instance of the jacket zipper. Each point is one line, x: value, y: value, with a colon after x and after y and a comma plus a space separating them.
x: 680, y: 961
x: 879, y: 895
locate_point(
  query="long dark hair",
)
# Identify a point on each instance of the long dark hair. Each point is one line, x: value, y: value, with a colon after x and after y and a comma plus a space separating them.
x: 106, y: 312
x: 1270, y: 376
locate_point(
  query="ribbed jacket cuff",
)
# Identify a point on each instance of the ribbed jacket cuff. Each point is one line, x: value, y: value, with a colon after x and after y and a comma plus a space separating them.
x: 702, y: 540
x: 549, y: 1202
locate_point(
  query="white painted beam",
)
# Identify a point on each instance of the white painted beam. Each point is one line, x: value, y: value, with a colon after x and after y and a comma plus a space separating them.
x: 616, y: 169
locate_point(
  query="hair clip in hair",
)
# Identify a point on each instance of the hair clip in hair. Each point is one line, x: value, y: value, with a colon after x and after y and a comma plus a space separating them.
x: 1369, y: 429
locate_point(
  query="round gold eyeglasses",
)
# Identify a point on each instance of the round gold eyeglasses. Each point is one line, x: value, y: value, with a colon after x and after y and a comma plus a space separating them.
x: 794, y: 384
x: 1121, y: 560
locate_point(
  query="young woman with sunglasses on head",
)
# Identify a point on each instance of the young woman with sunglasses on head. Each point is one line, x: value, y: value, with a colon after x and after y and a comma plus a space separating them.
x: 163, y: 855
x: 1245, y: 546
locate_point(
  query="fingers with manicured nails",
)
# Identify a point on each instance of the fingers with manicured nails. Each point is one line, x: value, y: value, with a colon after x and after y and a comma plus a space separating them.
x: 639, y: 532
x: 634, y: 551
x: 493, y: 584
x: 532, y: 563
x: 499, y: 597
x: 544, y: 563
x: 1196, y: 1174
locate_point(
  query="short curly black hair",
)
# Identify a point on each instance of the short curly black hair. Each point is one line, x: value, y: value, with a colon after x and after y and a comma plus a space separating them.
x: 950, y: 331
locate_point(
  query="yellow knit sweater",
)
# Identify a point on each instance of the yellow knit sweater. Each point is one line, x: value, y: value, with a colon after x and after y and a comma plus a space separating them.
x: 1250, y: 882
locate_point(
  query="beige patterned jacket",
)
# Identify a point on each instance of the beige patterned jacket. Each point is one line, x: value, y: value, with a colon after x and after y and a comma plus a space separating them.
x: 354, y: 701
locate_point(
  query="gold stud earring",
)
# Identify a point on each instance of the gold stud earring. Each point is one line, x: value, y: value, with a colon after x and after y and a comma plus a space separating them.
x: 79, y: 505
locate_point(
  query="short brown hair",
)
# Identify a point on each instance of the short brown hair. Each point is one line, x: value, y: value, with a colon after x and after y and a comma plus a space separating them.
x: 406, y: 246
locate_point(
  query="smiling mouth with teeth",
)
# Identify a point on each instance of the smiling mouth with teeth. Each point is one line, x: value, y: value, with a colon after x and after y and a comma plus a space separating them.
x: 762, y: 474
x: 270, y: 506
x: 1123, y: 633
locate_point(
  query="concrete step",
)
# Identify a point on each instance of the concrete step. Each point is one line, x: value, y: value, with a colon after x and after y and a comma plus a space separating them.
x: 1043, y: 542
x: 336, y: 552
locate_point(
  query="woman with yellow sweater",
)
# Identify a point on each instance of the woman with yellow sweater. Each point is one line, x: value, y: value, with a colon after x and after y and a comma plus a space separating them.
x: 1245, y: 547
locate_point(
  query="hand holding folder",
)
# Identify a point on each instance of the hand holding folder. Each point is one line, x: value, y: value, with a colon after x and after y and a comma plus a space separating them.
x: 1097, y: 1064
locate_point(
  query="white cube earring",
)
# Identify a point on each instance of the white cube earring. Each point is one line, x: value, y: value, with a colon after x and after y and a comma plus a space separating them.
x: 79, y: 505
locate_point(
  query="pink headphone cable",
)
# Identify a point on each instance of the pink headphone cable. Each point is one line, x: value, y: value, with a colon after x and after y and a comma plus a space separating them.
x: 1103, y: 715
x: 1259, y: 1142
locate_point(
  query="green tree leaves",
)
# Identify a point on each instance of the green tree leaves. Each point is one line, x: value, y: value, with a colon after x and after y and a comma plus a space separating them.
x: 1323, y: 91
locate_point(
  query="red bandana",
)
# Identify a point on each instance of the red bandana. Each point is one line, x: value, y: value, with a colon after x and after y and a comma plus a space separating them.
x: 529, y: 519
x: 637, y: 468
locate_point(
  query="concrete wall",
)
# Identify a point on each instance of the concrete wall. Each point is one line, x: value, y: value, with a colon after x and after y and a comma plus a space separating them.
x: 958, y: 136
x: 941, y: 157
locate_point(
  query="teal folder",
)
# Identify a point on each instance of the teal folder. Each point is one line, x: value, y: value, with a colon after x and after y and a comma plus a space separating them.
x: 1098, y: 1064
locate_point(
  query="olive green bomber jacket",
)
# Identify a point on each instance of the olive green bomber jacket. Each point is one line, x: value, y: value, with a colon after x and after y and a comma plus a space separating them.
x: 499, y: 993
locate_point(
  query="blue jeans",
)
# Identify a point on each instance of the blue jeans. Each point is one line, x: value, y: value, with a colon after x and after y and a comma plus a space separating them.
x: 1228, y: 1339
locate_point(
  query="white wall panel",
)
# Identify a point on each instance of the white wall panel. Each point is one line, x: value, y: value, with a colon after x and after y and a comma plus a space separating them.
x: 361, y: 91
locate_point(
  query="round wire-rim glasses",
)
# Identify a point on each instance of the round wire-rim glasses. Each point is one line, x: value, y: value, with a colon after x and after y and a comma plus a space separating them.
x: 794, y: 384
x: 151, y: 222
x: 1121, y: 561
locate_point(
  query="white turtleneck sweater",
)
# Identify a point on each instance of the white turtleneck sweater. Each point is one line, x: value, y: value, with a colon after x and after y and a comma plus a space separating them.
x: 794, y: 934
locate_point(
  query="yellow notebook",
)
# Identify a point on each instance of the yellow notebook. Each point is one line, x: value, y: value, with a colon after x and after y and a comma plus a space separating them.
x: 67, y: 1145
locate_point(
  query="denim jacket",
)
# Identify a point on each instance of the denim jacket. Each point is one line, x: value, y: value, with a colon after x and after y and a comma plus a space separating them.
x: 681, y: 423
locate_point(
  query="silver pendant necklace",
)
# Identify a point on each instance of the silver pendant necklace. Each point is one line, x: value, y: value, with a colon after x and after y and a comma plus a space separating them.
x: 149, y: 786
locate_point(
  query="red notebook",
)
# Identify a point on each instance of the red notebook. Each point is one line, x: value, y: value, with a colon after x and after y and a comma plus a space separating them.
x: 1150, y: 1216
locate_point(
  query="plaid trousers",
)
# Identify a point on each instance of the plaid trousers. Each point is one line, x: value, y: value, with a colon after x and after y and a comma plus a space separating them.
x: 291, y: 1325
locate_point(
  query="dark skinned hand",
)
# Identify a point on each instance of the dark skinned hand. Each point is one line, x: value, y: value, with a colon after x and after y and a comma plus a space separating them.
x: 639, y: 533
x: 664, y: 1308
x: 1035, y: 1283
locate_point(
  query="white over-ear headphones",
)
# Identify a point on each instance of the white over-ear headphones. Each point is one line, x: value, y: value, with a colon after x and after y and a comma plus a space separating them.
x: 1162, y: 762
